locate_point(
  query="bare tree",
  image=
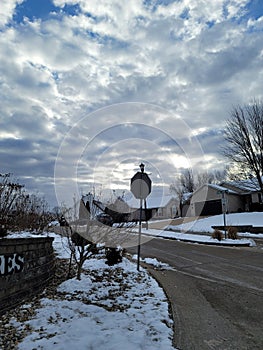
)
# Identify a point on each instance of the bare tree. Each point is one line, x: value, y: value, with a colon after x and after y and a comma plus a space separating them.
x: 210, y: 177
x: 183, y: 184
x: 10, y: 190
x: 244, y: 140
x: 187, y: 183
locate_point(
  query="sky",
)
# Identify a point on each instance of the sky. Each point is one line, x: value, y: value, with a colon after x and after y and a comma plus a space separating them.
x: 90, y: 90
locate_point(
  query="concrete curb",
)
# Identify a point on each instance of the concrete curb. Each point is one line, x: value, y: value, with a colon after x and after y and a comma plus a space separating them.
x: 219, y: 243
x: 209, y: 243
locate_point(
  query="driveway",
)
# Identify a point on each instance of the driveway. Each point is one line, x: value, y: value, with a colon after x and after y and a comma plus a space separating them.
x: 216, y: 294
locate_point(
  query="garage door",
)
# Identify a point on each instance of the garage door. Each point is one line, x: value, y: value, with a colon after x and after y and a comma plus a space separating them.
x: 208, y: 208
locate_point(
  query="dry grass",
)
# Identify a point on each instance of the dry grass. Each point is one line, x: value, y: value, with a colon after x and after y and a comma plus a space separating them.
x: 217, y: 234
x: 232, y: 232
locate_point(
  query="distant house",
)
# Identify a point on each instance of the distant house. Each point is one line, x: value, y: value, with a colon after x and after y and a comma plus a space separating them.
x: 239, y: 196
x: 249, y: 191
x: 163, y: 207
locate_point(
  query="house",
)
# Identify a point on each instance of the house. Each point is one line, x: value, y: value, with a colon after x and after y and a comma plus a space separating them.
x: 207, y: 200
x: 237, y: 196
x: 249, y: 191
x: 119, y: 210
x: 163, y: 207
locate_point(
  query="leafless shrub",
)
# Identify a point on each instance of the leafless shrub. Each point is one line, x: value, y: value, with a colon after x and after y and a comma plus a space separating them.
x: 232, y: 232
x: 217, y: 234
x: 20, y: 210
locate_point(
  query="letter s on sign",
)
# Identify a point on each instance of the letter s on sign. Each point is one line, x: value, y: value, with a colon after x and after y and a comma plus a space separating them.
x: 2, y: 264
x: 19, y: 263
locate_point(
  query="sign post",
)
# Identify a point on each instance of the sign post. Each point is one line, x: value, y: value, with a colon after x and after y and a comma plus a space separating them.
x: 140, y: 187
x: 224, y: 207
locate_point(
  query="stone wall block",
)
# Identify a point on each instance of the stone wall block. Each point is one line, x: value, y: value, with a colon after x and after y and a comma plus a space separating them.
x: 26, y: 267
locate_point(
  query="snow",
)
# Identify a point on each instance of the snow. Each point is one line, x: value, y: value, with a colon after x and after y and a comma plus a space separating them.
x: 205, y: 225
x: 244, y: 185
x: 216, y: 187
x: 154, y: 262
x: 195, y: 238
x: 113, y: 307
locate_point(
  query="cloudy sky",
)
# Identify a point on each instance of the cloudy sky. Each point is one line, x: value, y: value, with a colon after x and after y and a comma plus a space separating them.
x: 90, y: 89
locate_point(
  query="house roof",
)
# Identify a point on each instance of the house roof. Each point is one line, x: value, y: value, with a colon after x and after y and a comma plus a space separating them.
x: 152, y: 202
x: 217, y: 188
x: 241, y: 186
x: 222, y: 188
x: 234, y: 187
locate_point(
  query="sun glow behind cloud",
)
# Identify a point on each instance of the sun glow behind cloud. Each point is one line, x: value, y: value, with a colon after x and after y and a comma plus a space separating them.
x: 61, y: 60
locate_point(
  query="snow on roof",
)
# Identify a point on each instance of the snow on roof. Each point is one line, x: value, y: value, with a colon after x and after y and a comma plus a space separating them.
x: 216, y: 187
x: 187, y: 196
x: 222, y: 188
x: 152, y: 202
x: 249, y: 185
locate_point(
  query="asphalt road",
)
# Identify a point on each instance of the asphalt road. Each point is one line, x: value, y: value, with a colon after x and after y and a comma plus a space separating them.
x: 216, y: 293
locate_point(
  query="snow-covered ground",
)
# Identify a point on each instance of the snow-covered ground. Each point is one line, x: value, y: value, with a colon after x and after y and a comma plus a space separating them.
x: 115, y: 307
x: 195, y: 238
x: 205, y: 226
x: 110, y: 308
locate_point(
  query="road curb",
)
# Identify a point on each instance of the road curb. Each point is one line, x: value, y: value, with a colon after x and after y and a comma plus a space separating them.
x: 209, y: 243
x: 219, y: 243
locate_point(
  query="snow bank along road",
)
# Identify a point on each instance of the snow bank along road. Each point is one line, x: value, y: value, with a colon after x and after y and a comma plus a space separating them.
x: 216, y: 293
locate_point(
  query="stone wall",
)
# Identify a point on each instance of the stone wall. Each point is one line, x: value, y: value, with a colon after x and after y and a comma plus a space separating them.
x: 26, y: 266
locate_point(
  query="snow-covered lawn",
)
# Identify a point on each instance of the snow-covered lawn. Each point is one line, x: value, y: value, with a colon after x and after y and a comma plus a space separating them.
x: 189, y: 231
x: 205, y: 225
x: 195, y: 238
x: 110, y: 308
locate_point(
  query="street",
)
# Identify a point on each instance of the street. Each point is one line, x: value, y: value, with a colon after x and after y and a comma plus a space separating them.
x: 216, y: 293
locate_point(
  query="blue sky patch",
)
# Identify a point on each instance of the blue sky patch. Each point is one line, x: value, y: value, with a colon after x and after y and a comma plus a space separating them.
x: 255, y: 9
x: 41, y: 9
x: 33, y: 9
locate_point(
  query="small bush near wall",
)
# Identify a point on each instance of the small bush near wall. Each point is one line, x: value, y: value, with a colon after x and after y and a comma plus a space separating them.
x: 26, y: 266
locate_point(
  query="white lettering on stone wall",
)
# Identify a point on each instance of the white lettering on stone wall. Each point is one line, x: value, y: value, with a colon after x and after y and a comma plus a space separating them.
x: 11, y: 263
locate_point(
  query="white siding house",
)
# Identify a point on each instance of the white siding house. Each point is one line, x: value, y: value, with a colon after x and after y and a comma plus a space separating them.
x: 163, y: 207
x: 207, y: 200
x: 239, y: 196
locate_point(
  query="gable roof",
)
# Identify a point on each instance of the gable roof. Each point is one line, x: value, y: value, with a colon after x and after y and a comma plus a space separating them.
x: 216, y: 188
x: 222, y: 188
x: 243, y: 186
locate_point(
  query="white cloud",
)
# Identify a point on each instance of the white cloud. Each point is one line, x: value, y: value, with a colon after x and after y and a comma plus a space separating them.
x: 7, y: 10
x: 193, y: 58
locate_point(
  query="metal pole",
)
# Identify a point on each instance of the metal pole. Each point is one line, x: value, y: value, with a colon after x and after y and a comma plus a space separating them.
x: 225, y: 223
x: 145, y: 214
x: 224, y: 210
x: 139, y: 238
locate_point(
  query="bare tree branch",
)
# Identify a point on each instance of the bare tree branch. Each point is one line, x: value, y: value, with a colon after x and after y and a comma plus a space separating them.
x: 244, y: 140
